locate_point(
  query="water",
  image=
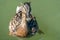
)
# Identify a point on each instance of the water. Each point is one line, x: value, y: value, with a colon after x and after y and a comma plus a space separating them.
x: 47, y: 13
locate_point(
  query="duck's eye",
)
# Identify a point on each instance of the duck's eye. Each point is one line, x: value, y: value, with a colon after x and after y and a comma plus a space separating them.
x: 20, y: 12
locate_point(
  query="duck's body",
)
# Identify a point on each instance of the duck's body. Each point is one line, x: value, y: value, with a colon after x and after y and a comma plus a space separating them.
x: 14, y: 23
x: 17, y: 27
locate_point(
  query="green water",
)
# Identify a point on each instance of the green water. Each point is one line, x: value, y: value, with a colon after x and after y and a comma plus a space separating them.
x: 47, y: 13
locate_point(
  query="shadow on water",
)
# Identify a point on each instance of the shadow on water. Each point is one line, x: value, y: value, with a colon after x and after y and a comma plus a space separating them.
x: 33, y: 24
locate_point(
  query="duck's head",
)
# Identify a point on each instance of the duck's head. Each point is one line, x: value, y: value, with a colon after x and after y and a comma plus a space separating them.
x: 27, y: 6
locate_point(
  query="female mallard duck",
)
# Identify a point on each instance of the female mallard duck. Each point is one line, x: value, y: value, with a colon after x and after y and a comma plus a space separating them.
x: 18, y: 25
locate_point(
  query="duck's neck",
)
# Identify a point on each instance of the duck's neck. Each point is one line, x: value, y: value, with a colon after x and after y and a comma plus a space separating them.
x: 23, y: 23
